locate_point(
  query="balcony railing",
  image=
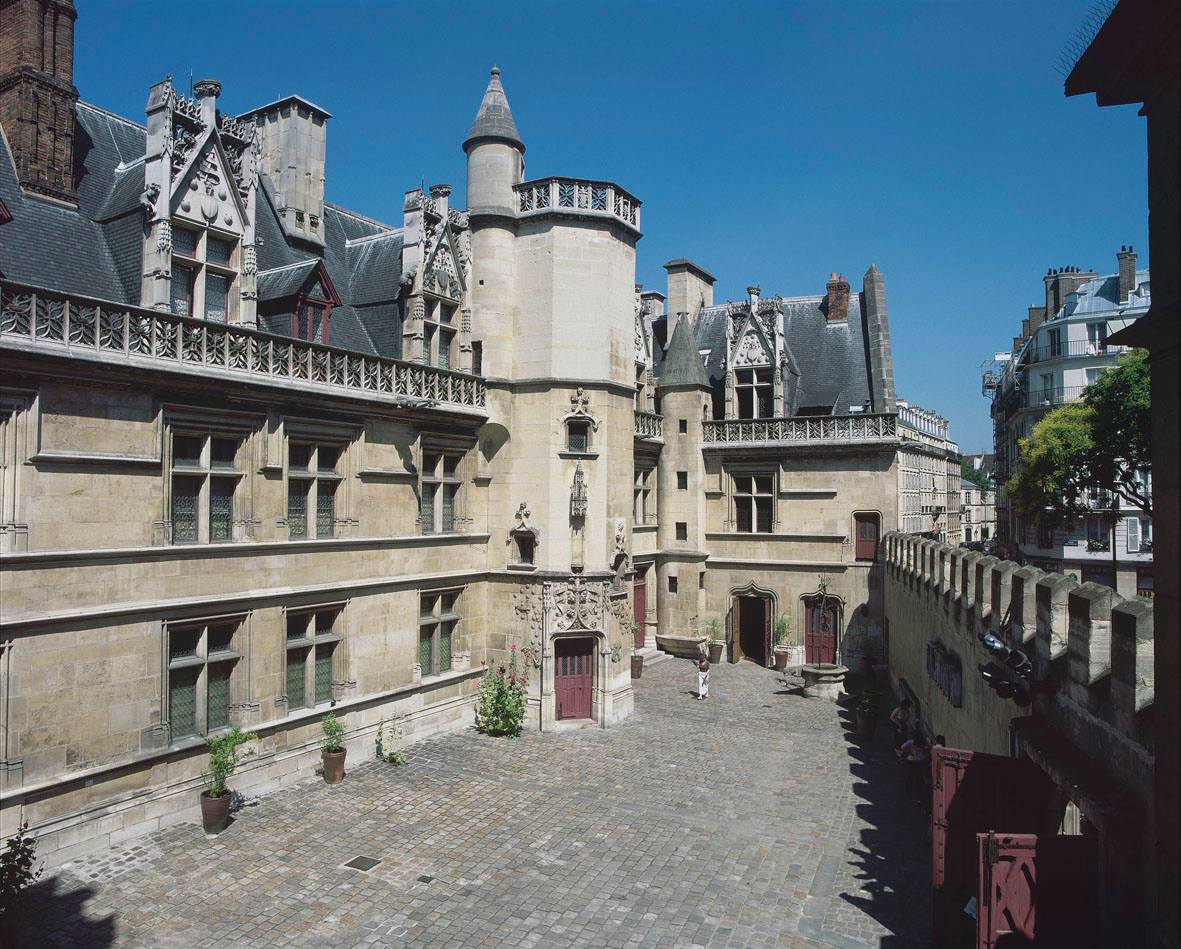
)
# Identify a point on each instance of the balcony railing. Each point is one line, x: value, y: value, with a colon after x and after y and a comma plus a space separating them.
x: 1059, y: 395
x: 67, y: 324
x: 649, y: 425
x: 807, y: 430
x: 582, y: 197
x: 1078, y: 347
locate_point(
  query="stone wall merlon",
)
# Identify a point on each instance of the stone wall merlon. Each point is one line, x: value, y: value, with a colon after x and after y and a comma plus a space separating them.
x: 1051, y: 593
x: 1023, y: 597
x: 1088, y: 633
x: 1131, y: 660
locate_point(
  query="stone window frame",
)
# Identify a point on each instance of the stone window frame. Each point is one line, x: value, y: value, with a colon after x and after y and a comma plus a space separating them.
x: 331, y: 435
x: 311, y: 637
x: 435, y: 619
x: 18, y: 426
x: 174, y: 660
x: 735, y: 496
x: 755, y: 388
x: 440, y: 448
x: 210, y: 424
x: 321, y: 479
x: 644, y: 496
x: 200, y: 268
x: 435, y: 329
x: 853, y: 533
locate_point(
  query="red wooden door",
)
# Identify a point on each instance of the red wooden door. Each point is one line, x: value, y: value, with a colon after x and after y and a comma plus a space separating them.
x: 820, y: 631
x: 1035, y: 890
x: 573, y: 677
x: 973, y: 793
x: 867, y: 536
x: 640, y: 601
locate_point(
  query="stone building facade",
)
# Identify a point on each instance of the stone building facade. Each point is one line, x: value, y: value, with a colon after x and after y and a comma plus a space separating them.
x: 928, y: 475
x: 1063, y: 346
x: 262, y: 456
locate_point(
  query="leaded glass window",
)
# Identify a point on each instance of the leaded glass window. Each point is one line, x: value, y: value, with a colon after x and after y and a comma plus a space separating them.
x: 202, y: 274
x: 754, y: 503
x: 436, y: 629
x: 181, y: 292
x: 203, y: 485
x: 438, y: 334
x: 201, y: 664
x: 312, y: 638
x: 217, y: 289
x: 439, y: 492
x: 312, y: 481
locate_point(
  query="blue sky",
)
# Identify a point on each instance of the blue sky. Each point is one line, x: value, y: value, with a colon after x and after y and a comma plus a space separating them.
x: 770, y: 142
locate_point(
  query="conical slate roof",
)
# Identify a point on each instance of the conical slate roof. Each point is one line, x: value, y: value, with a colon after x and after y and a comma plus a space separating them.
x: 495, y: 118
x: 682, y: 363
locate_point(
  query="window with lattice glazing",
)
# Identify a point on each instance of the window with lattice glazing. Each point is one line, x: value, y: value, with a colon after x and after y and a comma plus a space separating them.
x: 204, y: 269
x: 205, y: 473
x: 439, y: 492
x: 312, y: 640
x: 312, y: 484
x: 754, y: 499
x: 437, y: 619
x: 438, y: 334
x: 202, y: 659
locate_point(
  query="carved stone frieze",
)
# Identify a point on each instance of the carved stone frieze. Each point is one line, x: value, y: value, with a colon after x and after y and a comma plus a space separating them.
x: 574, y: 604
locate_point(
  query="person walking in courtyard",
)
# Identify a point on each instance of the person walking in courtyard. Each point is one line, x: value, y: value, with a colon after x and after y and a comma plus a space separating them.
x: 900, y: 720
x: 703, y: 679
x: 916, y: 756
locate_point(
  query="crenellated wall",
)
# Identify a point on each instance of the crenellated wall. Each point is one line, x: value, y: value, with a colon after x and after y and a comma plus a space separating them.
x: 1089, y: 721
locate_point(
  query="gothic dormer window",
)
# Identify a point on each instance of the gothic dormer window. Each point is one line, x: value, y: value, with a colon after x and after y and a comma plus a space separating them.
x: 754, y: 392
x: 297, y: 299
x: 312, y: 314
x: 438, y: 334
x: 204, y: 269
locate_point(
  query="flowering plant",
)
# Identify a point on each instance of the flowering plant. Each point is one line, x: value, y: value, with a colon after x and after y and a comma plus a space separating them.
x: 504, y: 695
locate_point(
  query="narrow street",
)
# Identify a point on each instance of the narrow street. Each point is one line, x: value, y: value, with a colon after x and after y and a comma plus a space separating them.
x: 753, y: 819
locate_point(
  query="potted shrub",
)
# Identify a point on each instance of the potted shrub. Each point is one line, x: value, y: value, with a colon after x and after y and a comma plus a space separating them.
x: 224, y: 759
x: 782, y: 643
x: 716, y: 641
x: 637, y: 659
x: 332, y: 749
x: 868, y: 710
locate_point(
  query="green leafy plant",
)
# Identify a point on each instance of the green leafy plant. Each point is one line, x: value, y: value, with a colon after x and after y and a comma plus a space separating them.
x: 970, y: 472
x: 333, y: 739
x: 870, y: 704
x: 782, y: 630
x: 390, y: 755
x: 224, y: 759
x: 504, y: 697
x: 18, y: 868
x: 715, y: 629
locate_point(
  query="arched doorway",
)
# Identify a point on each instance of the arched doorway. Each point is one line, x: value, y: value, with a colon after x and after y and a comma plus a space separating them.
x: 752, y: 612
x: 574, y: 664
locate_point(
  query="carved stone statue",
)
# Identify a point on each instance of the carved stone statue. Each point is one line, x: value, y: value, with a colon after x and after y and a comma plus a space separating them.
x: 578, y: 493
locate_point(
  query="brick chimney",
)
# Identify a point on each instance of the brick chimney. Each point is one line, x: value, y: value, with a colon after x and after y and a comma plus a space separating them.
x: 836, y: 306
x: 37, y: 93
x: 292, y: 139
x: 1127, y: 272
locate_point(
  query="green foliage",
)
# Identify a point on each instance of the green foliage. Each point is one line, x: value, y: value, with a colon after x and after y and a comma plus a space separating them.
x: 333, y: 739
x: 504, y: 696
x: 869, y: 706
x: 224, y: 758
x: 390, y: 755
x: 975, y: 475
x: 1099, y: 444
x: 17, y: 867
x: 715, y: 629
x: 782, y: 630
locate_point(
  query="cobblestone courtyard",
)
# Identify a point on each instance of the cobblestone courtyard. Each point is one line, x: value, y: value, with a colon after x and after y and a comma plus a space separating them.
x: 753, y: 819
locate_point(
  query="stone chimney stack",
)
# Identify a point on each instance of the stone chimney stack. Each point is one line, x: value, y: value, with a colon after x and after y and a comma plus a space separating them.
x: 836, y: 306
x: 1127, y: 272
x: 37, y: 93
x: 690, y: 289
x: 441, y: 195
x: 292, y: 138
x: 1060, y: 283
x: 206, y: 92
x: 654, y: 301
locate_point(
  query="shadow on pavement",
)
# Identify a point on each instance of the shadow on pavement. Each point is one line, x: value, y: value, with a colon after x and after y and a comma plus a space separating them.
x: 49, y: 913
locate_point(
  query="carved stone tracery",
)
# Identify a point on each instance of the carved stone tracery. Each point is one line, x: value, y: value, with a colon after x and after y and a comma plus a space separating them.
x: 573, y: 605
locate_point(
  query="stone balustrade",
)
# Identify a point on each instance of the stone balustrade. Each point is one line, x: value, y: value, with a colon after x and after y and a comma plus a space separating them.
x: 577, y: 196
x: 649, y: 425
x: 58, y: 324
x: 804, y: 430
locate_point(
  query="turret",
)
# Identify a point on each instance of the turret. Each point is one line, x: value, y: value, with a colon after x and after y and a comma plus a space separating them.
x: 495, y: 154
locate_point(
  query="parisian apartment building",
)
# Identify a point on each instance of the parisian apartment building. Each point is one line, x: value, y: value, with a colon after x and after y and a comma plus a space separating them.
x: 262, y: 455
x: 1062, y: 347
x: 978, y: 500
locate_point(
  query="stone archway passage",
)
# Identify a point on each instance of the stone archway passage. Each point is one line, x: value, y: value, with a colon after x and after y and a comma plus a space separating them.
x: 573, y: 677
x: 753, y: 628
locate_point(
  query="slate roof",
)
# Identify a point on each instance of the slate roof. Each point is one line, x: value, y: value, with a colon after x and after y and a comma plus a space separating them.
x: 96, y: 249
x: 681, y: 365
x: 494, y: 119
x: 831, y: 359
x: 1101, y: 296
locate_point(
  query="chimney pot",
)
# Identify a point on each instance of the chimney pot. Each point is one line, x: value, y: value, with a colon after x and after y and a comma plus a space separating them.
x: 836, y: 307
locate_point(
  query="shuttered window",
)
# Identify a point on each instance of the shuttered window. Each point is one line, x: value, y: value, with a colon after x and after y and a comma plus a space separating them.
x: 201, y: 665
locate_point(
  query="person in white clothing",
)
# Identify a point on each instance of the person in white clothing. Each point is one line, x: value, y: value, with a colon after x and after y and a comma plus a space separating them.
x: 703, y: 679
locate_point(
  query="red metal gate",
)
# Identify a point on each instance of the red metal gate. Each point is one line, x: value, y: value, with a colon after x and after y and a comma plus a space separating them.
x: 640, y: 603
x: 973, y: 793
x: 1035, y: 890
x: 820, y: 630
x: 573, y: 677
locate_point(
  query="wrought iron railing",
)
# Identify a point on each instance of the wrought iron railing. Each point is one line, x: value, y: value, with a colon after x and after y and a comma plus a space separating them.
x: 1057, y: 395
x: 586, y: 197
x: 829, y: 429
x: 649, y: 425
x: 70, y: 324
x: 1084, y: 347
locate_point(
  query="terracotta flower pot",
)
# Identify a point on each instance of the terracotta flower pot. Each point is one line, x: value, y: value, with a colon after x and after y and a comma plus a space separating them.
x: 782, y: 654
x: 715, y: 651
x: 334, y: 765
x: 637, y: 666
x: 215, y: 811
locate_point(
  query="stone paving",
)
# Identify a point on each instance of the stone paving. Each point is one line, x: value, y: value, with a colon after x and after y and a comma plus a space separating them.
x: 753, y: 819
